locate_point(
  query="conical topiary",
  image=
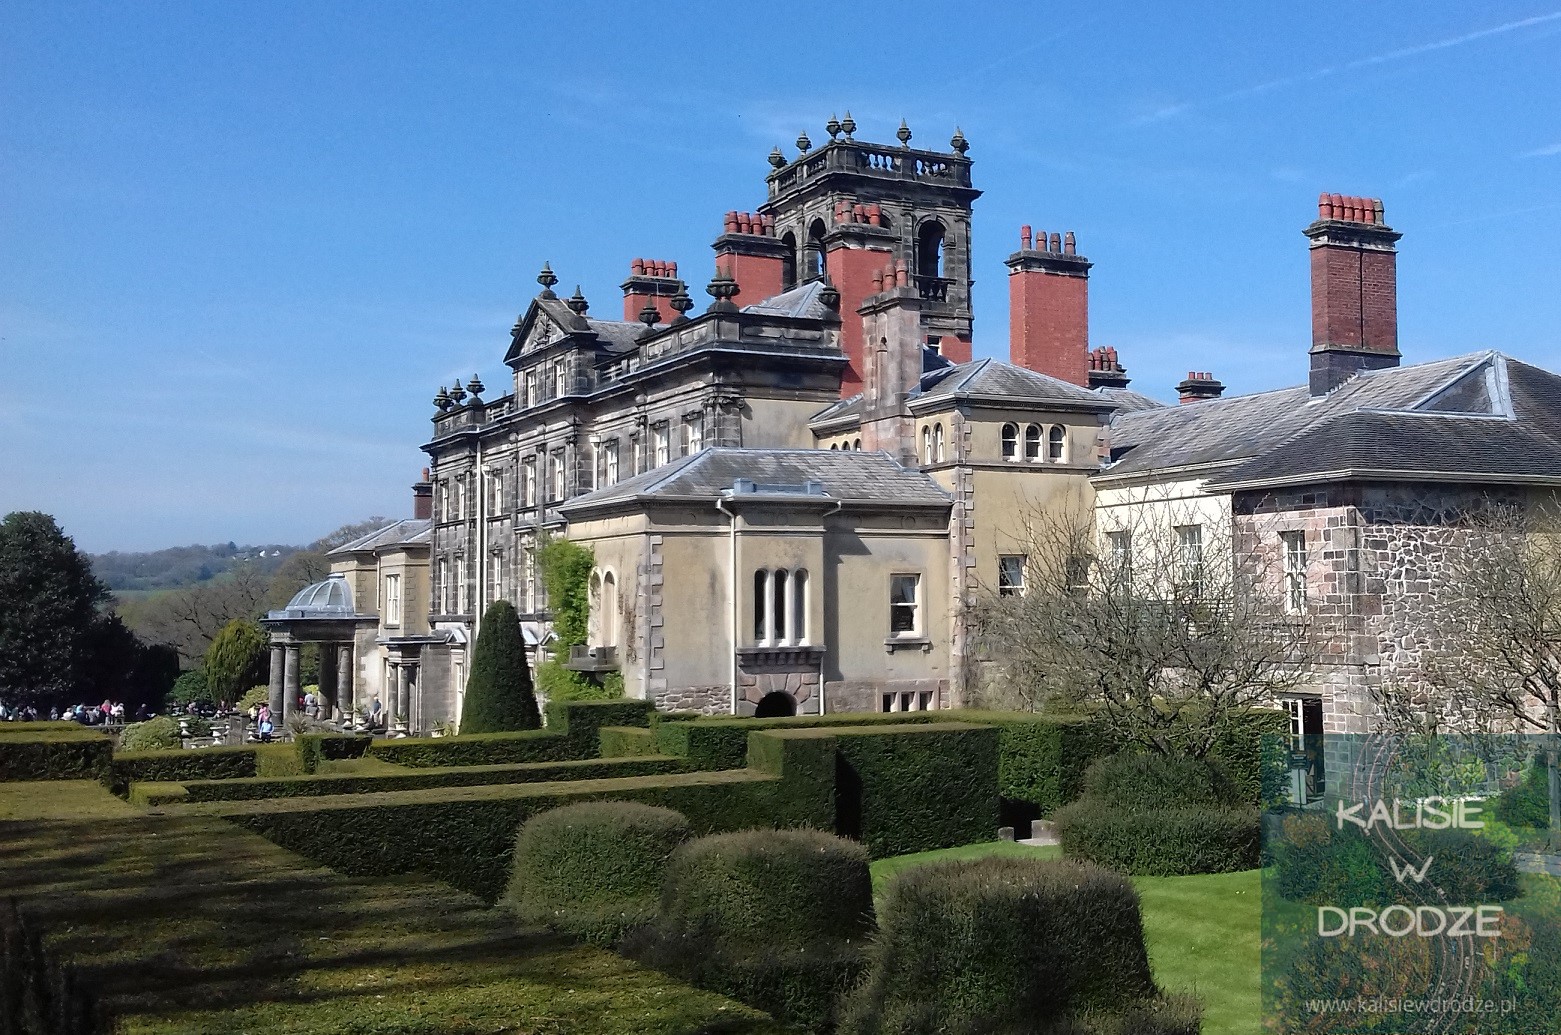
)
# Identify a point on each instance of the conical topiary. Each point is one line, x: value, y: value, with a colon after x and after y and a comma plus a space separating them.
x: 499, y: 697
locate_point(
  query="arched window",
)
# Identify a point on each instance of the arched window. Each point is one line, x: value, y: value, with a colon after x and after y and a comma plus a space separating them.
x: 857, y: 445
x: 1032, y: 442
x: 799, y: 606
x: 1057, y: 443
x: 813, y: 264
x: 789, y: 261
x: 834, y: 445
x: 926, y: 444
x: 593, y: 620
x: 778, y: 583
x: 929, y: 249
x: 1010, y: 441
x: 609, y: 622
x: 937, y: 444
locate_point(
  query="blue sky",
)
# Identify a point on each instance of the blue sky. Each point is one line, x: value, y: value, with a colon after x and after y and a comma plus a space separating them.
x: 242, y: 244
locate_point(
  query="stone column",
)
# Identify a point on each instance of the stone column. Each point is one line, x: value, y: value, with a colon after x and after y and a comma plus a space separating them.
x: 345, y: 684
x: 326, y: 693
x: 404, y: 696
x: 278, y: 660
x: 290, y: 688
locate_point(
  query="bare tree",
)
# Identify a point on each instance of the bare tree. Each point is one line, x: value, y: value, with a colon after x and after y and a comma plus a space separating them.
x: 1150, y: 616
x: 188, y: 619
x: 1500, y: 590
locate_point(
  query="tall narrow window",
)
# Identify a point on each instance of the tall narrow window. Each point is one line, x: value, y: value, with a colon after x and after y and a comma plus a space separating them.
x: 460, y: 585
x: 937, y: 444
x: 495, y: 577
x: 1010, y: 441
x: 799, y: 600
x: 1010, y: 575
x: 495, y: 492
x: 778, y: 583
x: 442, y: 585
x: 528, y: 482
x: 1057, y: 444
x: 560, y: 377
x: 392, y: 599
x: 660, y: 439
x: 610, y: 462
x: 556, y: 480
x: 528, y: 580
x: 1189, y: 547
x: 460, y: 498
x: 1295, y: 571
x: 904, y: 605
x: 926, y: 444
x: 929, y: 249
x: 761, y: 605
x: 693, y: 433
x: 637, y: 452
x: 1032, y: 442
x: 1121, y: 559
x: 789, y: 261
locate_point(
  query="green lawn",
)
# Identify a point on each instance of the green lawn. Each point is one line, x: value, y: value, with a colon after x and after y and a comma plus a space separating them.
x: 1202, y: 931
x: 192, y: 925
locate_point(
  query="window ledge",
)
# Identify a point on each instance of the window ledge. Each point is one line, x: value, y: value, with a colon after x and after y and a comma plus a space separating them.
x: 894, y: 643
x: 781, y: 655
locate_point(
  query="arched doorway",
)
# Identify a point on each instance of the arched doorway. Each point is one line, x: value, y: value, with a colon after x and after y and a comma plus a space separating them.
x: 774, y: 705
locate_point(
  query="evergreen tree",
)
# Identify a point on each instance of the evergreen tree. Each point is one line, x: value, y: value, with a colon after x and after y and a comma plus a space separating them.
x: 237, y: 659
x: 499, y: 696
x: 49, y: 611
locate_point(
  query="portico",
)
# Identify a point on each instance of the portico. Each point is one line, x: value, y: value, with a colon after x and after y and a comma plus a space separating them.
x: 323, y: 614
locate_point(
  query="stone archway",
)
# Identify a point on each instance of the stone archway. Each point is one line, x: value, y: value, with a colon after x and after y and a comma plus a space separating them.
x: 774, y: 705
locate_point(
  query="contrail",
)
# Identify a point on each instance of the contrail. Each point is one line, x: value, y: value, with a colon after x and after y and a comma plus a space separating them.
x: 1365, y: 62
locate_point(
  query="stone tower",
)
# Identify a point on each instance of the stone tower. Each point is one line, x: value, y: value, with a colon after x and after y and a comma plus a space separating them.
x: 848, y: 209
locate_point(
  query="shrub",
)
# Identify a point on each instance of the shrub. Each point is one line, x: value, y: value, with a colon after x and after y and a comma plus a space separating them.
x: 159, y: 734
x: 778, y: 919
x: 1527, y: 804
x: 1139, y: 782
x: 594, y: 870
x: 1160, y: 842
x: 558, y: 683
x: 253, y: 698
x: 191, y: 687
x: 214, y: 763
x: 54, y: 754
x: 1001, y: 944
x: 237, y: 659
x: 499, y: 697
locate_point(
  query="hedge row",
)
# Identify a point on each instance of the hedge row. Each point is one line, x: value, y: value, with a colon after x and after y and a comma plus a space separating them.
x: 466, y: 836
x: 573, y: 732
x: 178, y: 766
x: 628, y: 742
x: 722, y: 742
x: 1160, y: 842
x: 314, y: 748
x: 53, y: 753
x: 421, y: 779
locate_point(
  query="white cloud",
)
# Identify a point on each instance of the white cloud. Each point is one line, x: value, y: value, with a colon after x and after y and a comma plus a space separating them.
x: 1543, y: 152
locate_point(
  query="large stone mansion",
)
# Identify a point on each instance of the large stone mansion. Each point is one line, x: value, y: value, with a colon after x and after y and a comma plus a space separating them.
x: 791, y: 494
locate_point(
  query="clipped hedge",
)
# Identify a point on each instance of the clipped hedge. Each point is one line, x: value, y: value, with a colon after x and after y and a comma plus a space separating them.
x: 1001, y: 944
x: 156, y: 734
x: 722, y: 743
x: 466, y: 835
x: 1160, y: 842
x: 573, y: 732
x: 627, y: 742
x: 594, y: 870
x: 53, y: 753
x: 903, y: 789
x: 314, y: 748
x: 215, y: 763
x: 460, y: 776
x: 278, y: 759
x: 776, y: 918
x: 1527, y: 803
x: 1138, y: 782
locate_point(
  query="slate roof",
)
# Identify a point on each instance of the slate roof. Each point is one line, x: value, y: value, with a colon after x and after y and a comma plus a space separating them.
x: 990, y: 379
x: 1483, y: 416
x: 406, y: 532
x: 844, y: 475
x: 801, y: 301
x: 617, y: 336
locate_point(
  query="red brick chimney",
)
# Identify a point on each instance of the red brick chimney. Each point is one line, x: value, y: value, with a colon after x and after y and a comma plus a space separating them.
x: 857, y: 249
x: 653, y: 281
x: 423, y: 498
x: 750, y: 252
x: 1048, y: 307
x: 1199, y: 385
x: 891, y: 328
x: 1354, y: 291
x: 1106, y: 369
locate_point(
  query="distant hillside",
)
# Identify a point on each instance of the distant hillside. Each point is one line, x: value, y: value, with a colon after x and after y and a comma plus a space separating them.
x: 183, y: 565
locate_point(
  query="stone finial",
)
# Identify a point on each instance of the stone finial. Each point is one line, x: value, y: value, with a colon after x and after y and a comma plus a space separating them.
x: 904, y: 134
x: 848, y: 125
x: 803, y: 143
x: 832, y: 127
x: 723, y: 289
x: 547, y: 279
x: 577, y: 303
x: 442, y: 400
x: 475, y: 386
x: 457, y: 394
x: 959, y: 143
x: 681, y: 304
x: 828, y: 295
x: 650, y: 314
x: 777, y: 160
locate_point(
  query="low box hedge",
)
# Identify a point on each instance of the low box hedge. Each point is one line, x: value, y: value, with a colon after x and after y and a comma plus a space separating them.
x: 722, y: 742
x: 627, y: 742
x: 1160, y: 842
x: 314, y: 748
x: 214, y: 763
x: 594, y: 869
x: 573, y: 731
x: 1002, y: 944
x: 466, y: 835
x: 776, y: 918
x: 54, y: 753
x: 459, y: 776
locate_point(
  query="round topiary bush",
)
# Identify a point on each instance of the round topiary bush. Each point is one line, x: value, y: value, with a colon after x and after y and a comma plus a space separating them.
x: 1006, y: 944
x: 594, y: 869
x: 1150, y: 814
x: 159, y: 734
x: 776, y: 918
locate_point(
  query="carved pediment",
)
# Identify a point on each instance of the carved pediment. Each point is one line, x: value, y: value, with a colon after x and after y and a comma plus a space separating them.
x: 536, y: 329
